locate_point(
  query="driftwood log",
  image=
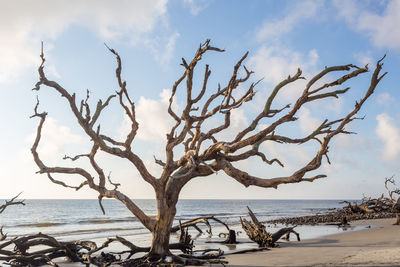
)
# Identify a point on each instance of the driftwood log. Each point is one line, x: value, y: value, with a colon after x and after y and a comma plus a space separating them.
x: 388, y: 203
x: 384, y: 204
x: 257, y: 232
x: 41, y: 249
x: 231, y: 234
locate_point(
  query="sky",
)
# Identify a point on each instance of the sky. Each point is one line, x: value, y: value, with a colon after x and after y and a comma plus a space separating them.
x: 152, y: 37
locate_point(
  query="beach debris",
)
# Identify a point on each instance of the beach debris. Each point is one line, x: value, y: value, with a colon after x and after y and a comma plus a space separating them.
x: 185, y: 239
x: 385, y: 206
x: 204, y: 220
x: 384, y: 203
x: 257, y: 232
x: 230, y: 235
x: 343, y: 223
x: 41, y: 249
x: 331, y: 218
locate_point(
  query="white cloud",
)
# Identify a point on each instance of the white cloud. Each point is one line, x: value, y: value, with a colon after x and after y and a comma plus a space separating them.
x: 300, y: 11
x: 291, y: 156
x: 389, y: 133
x: 153, y: 118
x: 363, y: 58
x: 308, y: 124
x: 163, y: 53
x: 196, y: 6
x: 386, y: 99
x: 383, y: 29
x: 23, y: 24
x: 56, y: 141
x: 275, y: 63
x: 238, y: 123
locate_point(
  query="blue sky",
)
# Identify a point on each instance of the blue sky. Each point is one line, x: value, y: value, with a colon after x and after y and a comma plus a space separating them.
x: 152, y: 37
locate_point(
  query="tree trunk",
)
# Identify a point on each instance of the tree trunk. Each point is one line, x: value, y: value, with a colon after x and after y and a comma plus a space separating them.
x: 162, y: 230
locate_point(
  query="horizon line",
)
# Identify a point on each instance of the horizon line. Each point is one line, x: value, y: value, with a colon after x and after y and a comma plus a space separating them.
x: 188, y: 199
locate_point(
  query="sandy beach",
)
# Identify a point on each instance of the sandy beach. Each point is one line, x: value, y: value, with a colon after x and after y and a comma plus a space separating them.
x: 378, y: 244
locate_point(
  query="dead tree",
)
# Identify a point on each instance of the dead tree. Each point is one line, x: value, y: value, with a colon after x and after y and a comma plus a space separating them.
x: 204, y: 152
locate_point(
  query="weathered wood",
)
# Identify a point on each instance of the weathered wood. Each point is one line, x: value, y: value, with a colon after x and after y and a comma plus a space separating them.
x: 193, y: 223
x: 76, y: 251
x: 257, y: 232
x: 284, y: 231
x: 185, y: 239
x: 231, y: 239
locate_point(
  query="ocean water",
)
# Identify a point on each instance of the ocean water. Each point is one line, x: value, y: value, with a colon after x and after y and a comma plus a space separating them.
x: 83, y: 219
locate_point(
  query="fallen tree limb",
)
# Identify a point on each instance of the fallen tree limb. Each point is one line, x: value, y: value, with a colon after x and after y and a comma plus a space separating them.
x: 76, y: 251
x: 231, y: 235
x: 193, y: 223
x: 257, y: 232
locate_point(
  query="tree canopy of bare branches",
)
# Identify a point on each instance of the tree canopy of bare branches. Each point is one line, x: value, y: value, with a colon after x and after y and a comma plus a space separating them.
x: 203, y: 153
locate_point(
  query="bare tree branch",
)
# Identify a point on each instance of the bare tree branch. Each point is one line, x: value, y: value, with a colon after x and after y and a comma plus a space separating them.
x: 12, y: 202
x: 88, y: 178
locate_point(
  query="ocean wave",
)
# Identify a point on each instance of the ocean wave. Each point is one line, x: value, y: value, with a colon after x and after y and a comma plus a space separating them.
x: 86, y: 232
x: 41, y: 224
x: 221, y: 215
x: 103, y: 221
x: 94, y: 231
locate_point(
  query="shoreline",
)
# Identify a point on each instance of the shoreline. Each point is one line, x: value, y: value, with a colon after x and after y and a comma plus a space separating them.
x: 376, y: 244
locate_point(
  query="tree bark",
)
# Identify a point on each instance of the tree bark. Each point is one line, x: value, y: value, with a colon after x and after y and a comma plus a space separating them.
x: 162, y: 230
